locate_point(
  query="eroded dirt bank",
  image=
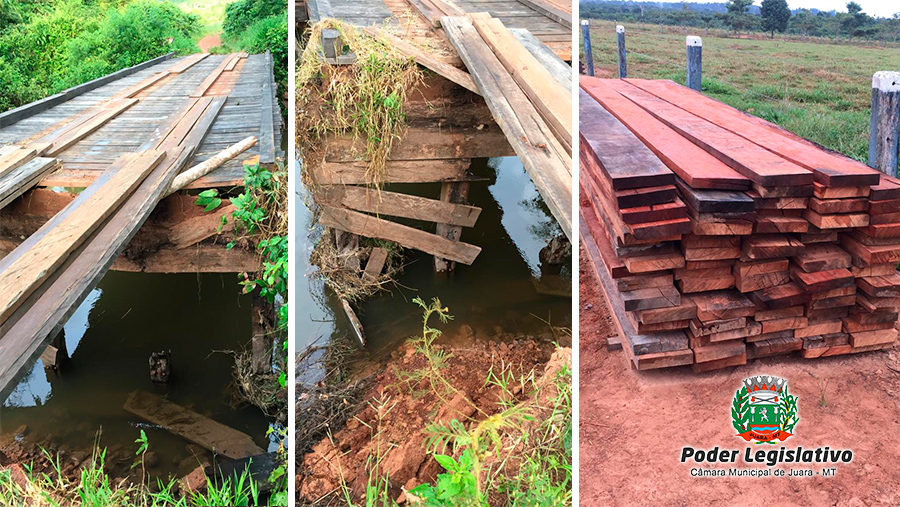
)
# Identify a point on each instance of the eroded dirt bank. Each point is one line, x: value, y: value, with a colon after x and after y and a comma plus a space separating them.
x: 391, y: 425
x: 633, y: 426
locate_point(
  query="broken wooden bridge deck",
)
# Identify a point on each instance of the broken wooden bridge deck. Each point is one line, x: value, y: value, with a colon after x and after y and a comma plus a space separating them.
x: 240, y: 117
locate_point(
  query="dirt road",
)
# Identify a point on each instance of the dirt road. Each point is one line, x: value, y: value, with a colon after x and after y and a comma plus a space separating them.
x: 633, y: 427
x: 210, y: 41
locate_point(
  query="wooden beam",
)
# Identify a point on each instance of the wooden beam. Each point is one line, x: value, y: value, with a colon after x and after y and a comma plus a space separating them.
x: 546, y: 161
x: 383, y: 202
x: 552, y: 101
x: 33, y: 267
x: 18, y: 181
x: 266, y: 117
x: 374, y: 227
x: 398, y: 171
x: 426, y: 60
x: 551, y: 10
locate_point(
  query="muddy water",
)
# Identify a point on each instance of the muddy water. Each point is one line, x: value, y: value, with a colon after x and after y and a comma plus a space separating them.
x: 109, y: 340
x: 501, y: 288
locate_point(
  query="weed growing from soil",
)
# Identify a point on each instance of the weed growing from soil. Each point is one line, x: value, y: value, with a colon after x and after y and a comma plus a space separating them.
x: 95, y: 488
x: 518, y: 456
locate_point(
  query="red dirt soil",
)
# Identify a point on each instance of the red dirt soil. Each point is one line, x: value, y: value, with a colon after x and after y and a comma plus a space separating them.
x: 633, y: 426
x: 210, y: 41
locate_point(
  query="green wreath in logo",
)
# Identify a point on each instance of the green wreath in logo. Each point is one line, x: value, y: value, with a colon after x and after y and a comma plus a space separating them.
x: 740, y: 411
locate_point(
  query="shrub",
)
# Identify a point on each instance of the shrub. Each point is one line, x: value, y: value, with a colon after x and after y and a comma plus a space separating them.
x: 242, y: 14
x: 270, y: 33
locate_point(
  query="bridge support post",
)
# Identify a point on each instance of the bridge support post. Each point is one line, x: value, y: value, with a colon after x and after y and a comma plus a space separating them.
x: 454, y: 192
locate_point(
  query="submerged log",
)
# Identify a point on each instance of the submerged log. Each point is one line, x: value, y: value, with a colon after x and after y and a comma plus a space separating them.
x: 192, y: 426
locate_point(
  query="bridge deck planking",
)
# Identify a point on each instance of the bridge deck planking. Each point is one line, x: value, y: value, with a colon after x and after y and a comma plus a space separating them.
x: 239, y: 118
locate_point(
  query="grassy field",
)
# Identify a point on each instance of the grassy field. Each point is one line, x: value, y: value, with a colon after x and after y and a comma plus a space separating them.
x: 211, y: 13
x: 819, y: 91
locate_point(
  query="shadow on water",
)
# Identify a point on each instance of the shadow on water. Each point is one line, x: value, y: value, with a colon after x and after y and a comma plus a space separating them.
x: 499, y: 289
x: 109, y: 340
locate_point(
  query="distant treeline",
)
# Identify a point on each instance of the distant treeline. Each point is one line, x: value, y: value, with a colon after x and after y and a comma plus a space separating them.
x: 742, y: 16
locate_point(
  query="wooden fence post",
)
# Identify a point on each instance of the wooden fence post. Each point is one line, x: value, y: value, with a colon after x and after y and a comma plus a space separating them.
x: 588, y: 55
x: 884, y: 123
x: 620, y: 43
x: 694, y: 61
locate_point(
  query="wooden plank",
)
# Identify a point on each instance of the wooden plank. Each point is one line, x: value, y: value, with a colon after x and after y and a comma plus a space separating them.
x: 187, y: 62
x: 871, y: 254
x: 375, y: 263
x: 822, y: 280
x: 695, y: 166
x: 722, y: 305
x: 771, y: 246
x: 30, y: 270
x: 373, y: 227
x: 383, y: 202
x: 424, y: 59
x: 880, y: 286
x: 544, y: 159
x: 822, y: 257
x: 715, y: 201
x: 760, y: 165
x: 559, y: 69
x: 685, y: 310
x: 819, y: 328
x: 829, y: 170
x: 650, y: 298
x: 70, y: 137
x: 623, y: 159
x: 836, y: 221
x: 191, y: 426
x: 719, y: 363
x: 869, y: 338
x: 207, y: 83
x: 781, y: 296
x: 15, y: 183
x: 397, y: 171
x: 192, y: 231
x: 829, y: 206
x: 551, y: 10
x: 16, y: 158
x: 552, y: 100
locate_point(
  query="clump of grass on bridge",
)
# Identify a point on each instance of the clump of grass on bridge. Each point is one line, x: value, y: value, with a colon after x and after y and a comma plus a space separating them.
x: 819, y: 91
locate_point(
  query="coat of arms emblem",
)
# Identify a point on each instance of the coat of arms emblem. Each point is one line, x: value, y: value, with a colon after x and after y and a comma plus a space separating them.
x: 763, y: 411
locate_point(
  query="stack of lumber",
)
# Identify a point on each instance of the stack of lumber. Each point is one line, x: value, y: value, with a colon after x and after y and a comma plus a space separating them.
x: 719, y: 237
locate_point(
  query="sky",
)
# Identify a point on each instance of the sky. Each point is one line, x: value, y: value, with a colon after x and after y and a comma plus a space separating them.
x: 880, y: 8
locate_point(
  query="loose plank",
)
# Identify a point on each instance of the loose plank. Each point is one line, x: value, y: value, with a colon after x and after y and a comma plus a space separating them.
x: 29, y: 270
x: 760, y: 165
x: 374, y: 227
x: 383, y: 202
x: 829, y: 169
x: 695, y: 166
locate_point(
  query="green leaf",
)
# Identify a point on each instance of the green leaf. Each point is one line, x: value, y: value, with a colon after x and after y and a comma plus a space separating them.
x: 446, y: 461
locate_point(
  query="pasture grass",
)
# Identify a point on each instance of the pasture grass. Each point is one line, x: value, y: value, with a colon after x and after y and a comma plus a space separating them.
x: 819, y: 91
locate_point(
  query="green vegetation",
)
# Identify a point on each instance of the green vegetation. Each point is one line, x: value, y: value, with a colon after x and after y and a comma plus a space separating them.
x: 46, y: 47
x: 256, y: 26
x: 211, y: 13
x: 819, y: 91
x: 742, y: 16
x: 26, y: 486
x: 364, y: 100
x: 520, y: 455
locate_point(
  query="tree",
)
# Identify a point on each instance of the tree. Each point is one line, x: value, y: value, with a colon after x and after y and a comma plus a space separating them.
x: 775, y: 16
x: 707, y: 19
x: 737, y: 15
x: 856, y: 23
x: 805, y: 22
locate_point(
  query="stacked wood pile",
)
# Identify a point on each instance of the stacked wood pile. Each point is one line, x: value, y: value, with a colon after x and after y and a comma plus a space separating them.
x: 719, y: 237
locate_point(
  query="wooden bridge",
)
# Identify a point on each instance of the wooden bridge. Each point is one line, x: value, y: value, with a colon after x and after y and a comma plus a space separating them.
x: 123, y: 139
x: 499, y: 86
